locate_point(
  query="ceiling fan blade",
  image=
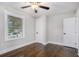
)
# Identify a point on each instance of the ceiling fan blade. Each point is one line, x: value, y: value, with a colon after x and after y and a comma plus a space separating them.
x: 25, y: 7
x: 35, y: 11
x: 44, y: 7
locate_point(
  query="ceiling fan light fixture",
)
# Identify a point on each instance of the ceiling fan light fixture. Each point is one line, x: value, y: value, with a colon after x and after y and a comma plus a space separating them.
x: 34, y: 6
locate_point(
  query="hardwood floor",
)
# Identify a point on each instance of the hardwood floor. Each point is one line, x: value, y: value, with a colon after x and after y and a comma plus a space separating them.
x: 40, y: 50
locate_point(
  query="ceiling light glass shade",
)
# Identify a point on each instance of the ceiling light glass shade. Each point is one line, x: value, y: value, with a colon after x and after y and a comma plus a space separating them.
x: 34, y: 6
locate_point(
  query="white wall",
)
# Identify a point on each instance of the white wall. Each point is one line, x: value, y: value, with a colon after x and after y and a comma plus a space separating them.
x: 41, y: 29
x: 55, y: 27
x: 6, y: 46
x: 77, y: 16
x: 52, y: 28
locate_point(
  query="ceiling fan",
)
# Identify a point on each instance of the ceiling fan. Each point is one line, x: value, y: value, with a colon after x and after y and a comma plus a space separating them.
x: 35, y: 6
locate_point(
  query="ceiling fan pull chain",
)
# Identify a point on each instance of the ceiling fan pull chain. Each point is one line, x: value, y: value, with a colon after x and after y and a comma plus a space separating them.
x: 35, y: 11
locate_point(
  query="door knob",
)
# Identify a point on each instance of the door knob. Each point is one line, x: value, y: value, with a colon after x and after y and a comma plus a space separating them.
x: 64, y: 33
x: 36, y: 32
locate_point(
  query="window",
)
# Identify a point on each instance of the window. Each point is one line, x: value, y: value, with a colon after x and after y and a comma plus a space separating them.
x: 14, y: 26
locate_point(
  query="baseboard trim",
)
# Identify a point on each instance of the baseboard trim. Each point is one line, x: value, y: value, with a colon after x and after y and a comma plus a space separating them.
x: 55, y: 43
x: 13, y: 48
x: 42, y: 43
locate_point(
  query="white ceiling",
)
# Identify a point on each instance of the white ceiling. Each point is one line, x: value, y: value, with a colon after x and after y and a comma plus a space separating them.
x: 55, y: 7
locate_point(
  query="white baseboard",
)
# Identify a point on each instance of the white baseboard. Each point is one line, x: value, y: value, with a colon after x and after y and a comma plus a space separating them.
x: 50, y: 42
x: 44, y: 43
x: 15, y: 47
x: 55, y: 43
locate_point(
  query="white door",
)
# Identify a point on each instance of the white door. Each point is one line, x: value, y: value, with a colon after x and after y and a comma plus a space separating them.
x: 69, y: 28
x: 41, y: 29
